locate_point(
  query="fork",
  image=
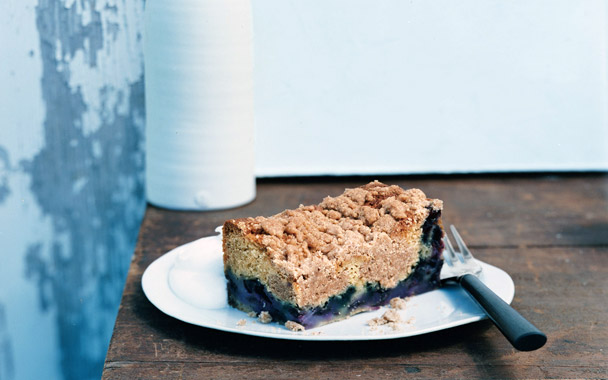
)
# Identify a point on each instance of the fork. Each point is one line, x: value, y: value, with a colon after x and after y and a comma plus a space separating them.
x: 464, y: 269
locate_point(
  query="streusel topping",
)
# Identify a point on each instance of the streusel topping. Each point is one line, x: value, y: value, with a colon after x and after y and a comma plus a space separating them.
x: 359, y: 215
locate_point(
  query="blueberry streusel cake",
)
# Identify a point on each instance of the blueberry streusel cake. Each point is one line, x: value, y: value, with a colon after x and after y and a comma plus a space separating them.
x: 348, y: 254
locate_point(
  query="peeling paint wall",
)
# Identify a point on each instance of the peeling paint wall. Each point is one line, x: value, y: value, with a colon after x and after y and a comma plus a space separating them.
x: 6, y: 351
x: 71, y: 179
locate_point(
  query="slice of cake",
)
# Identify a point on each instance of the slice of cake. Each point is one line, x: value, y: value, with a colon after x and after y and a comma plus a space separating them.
x: 348, y: 254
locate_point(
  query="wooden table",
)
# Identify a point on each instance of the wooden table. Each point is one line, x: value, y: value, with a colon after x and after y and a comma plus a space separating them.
x: 550, y: 233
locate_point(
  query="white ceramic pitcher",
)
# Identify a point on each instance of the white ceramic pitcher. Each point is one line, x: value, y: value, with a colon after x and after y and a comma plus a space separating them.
x: 199, y: 103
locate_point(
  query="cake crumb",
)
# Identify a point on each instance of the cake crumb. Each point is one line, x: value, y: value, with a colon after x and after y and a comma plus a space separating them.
x: 398, y: 303
x: 391, y: 318
x: 264, y: 317
x: 252, y: 314
x: 395, y: 326
x: 316, y: 333
x: 241, y: 322
x: 293, y: 326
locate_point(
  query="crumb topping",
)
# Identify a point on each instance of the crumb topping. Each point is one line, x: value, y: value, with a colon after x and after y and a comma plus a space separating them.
x: 367, y: 234
x: 294, y: 326
x: 241, y: 322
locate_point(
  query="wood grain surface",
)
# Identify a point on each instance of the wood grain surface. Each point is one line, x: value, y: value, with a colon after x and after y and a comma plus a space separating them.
x: 550, y: 233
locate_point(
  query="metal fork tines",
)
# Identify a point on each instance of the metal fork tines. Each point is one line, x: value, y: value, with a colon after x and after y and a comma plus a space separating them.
x: 458, y: 262
x: 463, y: 268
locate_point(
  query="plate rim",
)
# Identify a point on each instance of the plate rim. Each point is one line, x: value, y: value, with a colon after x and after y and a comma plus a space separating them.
x: 160, y: 267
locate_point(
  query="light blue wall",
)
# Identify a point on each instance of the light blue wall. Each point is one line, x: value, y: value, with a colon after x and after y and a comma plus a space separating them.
x: 419, y: 86
x: 71, y: 179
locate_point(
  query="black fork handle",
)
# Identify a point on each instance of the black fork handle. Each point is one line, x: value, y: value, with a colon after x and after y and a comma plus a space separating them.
x: 522, y: 334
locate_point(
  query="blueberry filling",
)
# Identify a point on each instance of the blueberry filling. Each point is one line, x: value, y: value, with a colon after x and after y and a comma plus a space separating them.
x: 252, y: 294
x: 429, y: 226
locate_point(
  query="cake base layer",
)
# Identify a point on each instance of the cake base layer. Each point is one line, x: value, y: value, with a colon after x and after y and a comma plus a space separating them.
x: 251, y: 295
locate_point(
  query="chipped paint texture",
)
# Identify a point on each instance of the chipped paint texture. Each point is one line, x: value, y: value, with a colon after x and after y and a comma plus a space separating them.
x: 71, y: 180
x: 6, y: 350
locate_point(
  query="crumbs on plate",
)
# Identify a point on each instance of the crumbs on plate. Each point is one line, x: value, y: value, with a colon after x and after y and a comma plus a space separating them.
x: 294, y: 326
x: 399, y: 303
x: 391, y: 318
x: 265, y: 317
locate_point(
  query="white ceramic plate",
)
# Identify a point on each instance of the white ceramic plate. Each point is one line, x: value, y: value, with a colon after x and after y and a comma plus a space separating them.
x: 440, y: 309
